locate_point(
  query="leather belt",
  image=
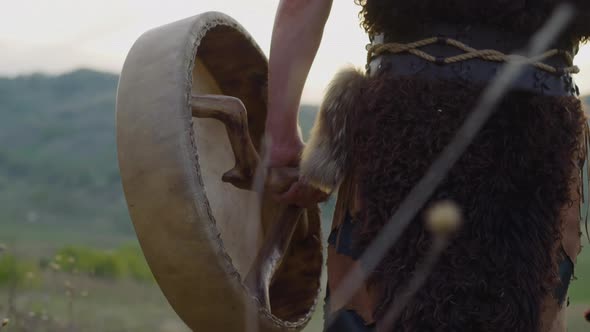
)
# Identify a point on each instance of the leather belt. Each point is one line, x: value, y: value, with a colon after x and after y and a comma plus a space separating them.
x: 473, y: 71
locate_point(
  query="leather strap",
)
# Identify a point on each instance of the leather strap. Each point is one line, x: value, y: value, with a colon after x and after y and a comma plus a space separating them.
x: 474, y: 71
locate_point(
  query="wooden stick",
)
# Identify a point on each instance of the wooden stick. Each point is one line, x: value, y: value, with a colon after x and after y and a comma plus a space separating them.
x: 232, y: 113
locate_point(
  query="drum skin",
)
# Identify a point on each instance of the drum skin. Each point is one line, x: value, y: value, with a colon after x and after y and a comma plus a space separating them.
x: 200, y: 235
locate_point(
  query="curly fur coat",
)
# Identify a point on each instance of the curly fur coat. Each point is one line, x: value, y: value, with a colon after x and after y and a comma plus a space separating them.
x: 512, y: 185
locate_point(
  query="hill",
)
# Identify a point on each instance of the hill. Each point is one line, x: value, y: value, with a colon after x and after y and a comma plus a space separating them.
x: 58, y: 162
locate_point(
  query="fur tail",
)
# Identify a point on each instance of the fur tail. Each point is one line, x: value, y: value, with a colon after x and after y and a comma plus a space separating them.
x: 326, y: 155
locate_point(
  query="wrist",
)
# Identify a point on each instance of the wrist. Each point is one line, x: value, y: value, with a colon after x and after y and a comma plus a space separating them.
x: 283, y: 132
x: 287, y: 144
x: 285, y: 152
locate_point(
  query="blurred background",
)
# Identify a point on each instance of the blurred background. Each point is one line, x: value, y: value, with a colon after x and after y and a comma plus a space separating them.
x: 69, y: 258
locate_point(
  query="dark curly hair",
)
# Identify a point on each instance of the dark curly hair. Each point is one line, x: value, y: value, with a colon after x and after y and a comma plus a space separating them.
x: 519, y: 15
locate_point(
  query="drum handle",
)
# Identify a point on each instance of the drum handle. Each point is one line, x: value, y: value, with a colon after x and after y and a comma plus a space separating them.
x: 232, y: 113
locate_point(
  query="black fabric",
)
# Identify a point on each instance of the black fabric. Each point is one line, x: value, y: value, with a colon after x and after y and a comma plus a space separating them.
x: 475, y: 71
x: 341, y: 238
x: 348, y: 321
x: 566, y: 272
x: 344, y: 320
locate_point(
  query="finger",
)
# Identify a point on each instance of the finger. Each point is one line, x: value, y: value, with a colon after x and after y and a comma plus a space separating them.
x: 316, y: 195
x: 293, y: 195
x: 280, y: 180
x: 303, y: 195
x: 287, y: 196
x: 321, y: 196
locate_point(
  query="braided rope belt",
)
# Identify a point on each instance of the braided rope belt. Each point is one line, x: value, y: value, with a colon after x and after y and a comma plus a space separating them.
x: 472, y: 53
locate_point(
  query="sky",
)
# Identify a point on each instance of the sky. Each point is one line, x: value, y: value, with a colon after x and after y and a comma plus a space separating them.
x: 62, y: 35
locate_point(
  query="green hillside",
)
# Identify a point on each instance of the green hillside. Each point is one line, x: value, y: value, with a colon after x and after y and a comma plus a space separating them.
x: 58, y: 158
x: 58, y: 161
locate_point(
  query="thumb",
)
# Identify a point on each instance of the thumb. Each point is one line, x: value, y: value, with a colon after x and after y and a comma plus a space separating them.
x: 279, y: 180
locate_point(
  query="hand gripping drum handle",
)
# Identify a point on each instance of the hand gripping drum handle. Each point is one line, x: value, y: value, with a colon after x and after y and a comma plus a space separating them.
x: 232, y: 113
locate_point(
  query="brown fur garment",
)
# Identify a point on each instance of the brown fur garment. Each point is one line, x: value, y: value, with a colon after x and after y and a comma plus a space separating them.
x: 326, y: 155
x: 511, y: 184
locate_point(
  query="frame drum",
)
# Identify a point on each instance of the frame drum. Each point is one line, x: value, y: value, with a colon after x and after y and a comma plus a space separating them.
x: 200, y: 235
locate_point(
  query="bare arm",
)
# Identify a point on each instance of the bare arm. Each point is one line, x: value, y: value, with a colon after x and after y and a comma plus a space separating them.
x: 298, y: 29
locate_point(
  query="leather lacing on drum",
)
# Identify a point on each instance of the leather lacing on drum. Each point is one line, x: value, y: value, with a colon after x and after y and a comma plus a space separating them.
x: 472, y: 53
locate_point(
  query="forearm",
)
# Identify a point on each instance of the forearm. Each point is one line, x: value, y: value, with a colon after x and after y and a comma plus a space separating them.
x: 297, y: 33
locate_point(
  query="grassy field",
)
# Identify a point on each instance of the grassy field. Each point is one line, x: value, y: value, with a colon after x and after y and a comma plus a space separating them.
x: 69, y: 303
x: 580, y: 288
x: 127, y: 305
